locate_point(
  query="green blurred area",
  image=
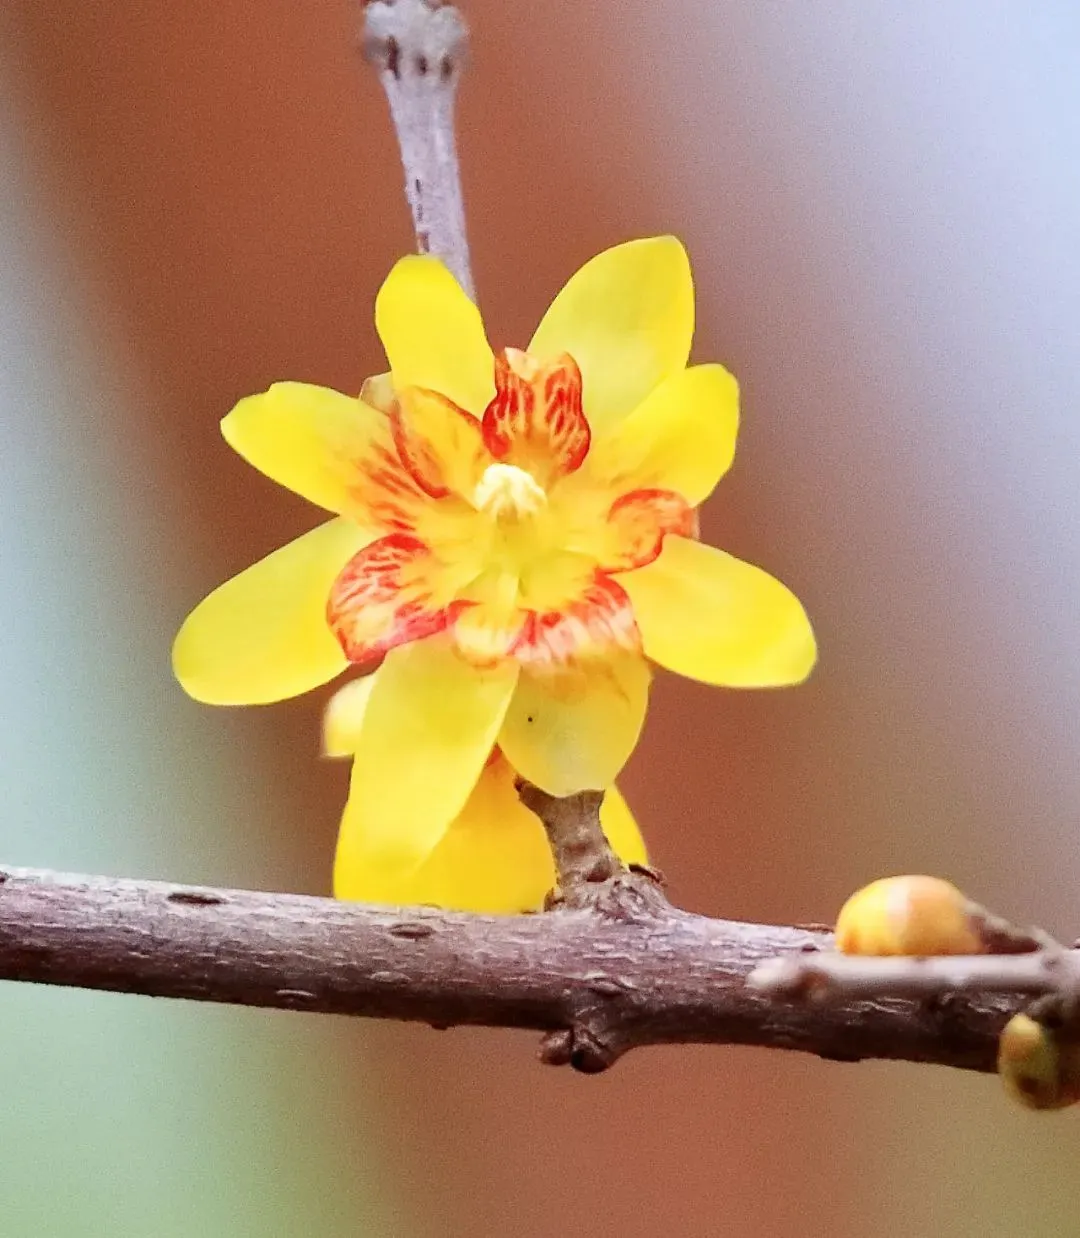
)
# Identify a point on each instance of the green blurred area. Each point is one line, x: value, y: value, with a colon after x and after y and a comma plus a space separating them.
x: 119, y: 1116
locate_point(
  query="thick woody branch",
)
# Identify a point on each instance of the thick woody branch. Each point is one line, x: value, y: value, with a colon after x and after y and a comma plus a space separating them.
x: 625, y: 972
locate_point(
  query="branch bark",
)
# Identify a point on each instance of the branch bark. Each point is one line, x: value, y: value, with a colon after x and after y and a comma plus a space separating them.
x: 624, y: 972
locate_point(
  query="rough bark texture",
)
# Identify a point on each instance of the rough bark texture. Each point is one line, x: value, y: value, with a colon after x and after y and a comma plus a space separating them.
x: 628, y: 970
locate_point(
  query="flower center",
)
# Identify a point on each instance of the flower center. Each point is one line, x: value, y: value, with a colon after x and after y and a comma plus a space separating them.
x: 508, y: 494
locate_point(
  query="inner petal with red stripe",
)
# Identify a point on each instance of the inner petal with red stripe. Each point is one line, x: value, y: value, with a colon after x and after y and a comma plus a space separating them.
x: 489, y: 536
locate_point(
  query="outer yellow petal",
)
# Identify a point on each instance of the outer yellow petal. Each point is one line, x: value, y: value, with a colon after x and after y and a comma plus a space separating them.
x: 621, y: 828
x: 263, y: 635
x: 344, y: 716
x: 574, y: 730
x: 710, y: 616
x: 433, y: 334
x: 627, y: 319
x: 681, y: 438
x: 306, y: 438
x: 493, y: 858
x: 428, y: 728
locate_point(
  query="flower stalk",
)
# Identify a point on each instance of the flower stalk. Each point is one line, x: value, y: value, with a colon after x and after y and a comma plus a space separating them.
x: 583, y: 856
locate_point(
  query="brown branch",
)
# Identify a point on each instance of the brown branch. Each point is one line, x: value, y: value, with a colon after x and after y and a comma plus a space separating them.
x: 839, y: 977
x: 626, y: 972
x: 582, y: 854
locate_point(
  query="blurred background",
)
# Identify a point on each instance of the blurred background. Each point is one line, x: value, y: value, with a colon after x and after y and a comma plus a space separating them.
x: 880, y: 202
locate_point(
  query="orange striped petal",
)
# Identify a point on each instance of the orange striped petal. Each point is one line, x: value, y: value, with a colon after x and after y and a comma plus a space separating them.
x: 385, y: 493
x: 440, y: 445
x: 535, y: 420
x: 638, y: 523
x: 574, y: 729
x: 597, y: 622
x: 384, y: 597
x: 490, y: 623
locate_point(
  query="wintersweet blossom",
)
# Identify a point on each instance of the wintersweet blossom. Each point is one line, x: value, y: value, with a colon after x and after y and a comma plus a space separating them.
x: 493, y: 857
x: 514, y: 544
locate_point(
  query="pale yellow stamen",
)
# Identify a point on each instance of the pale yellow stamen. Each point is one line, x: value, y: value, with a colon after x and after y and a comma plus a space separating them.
x: 508, y: 493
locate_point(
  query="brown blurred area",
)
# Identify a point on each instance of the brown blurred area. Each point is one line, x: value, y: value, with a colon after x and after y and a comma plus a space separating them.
x: 225, y: 175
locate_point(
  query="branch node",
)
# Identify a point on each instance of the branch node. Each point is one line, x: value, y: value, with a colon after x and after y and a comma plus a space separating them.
x: 410, y: 930
x: 579, y: 1048
x: 590, y: 874
x: 195, y: 898
x: 296, y: 997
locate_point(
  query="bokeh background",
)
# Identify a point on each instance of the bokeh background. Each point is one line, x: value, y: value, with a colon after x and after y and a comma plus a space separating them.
x: 880, y: 201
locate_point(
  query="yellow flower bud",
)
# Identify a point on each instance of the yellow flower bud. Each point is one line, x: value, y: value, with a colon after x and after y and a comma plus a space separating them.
x: 1039, y: 1070
x: 912, y: 915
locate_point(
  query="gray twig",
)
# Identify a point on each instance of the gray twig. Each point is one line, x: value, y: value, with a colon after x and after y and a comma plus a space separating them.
x: 418, y: 48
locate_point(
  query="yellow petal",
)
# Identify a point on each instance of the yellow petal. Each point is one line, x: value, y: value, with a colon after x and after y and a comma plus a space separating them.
x: 429, y: 726
x: 574, y: 729
x: 621, y: 829
x: 263, y: 636
x: 345, y: 715
x: 492, y: 859
x: 681, y: 438
x: 433, y: 334
x: 627, y: 319
x: 710, y: 616
x: 307, y: 438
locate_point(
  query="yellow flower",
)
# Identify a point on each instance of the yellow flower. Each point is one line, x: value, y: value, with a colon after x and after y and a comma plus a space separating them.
x: 493, y: 857
x: 514, y: 543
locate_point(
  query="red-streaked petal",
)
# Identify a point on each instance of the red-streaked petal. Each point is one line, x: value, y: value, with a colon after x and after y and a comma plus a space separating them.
x: 637, y: 524
x: 440, y: 445
x: 535, y: 420
x: 593, y: 625
x: 491, y: 620
x: 384, y: 598
x: 510, y: 414
x: 384, y: 493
